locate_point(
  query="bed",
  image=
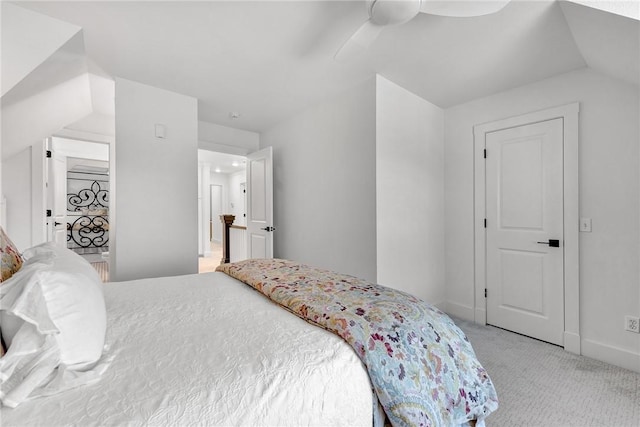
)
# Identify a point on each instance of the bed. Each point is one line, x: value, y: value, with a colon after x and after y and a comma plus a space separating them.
x: 211, y: 349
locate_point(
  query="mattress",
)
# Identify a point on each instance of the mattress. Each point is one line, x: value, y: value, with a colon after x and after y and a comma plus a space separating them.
x: 208, y: 350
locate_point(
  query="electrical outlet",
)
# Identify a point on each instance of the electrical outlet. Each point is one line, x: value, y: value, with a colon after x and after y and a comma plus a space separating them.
x: 632, y: 324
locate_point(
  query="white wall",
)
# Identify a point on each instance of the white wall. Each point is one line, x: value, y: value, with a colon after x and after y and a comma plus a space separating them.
x: 609, y: 194
x: 409, y: 192
x: 324, y: 184
x: 28, y: 39
x: 225, y: 139
x: 102, y: 120
x: 40, y: 116
x: 157, y: 182
x: 223, y: 181
x: 80, y: 149
x: 217, y: 207
x: 24, y: 189
x: 204, y: 208
x: 54, y: 95
x: 236, y: 198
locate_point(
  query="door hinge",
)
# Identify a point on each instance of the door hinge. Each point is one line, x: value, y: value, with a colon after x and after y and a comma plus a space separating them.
x: 485, y: 153
x: 48, y: 154
x: 485, y: 292
x: 48, y: 213
x: 485, y: 223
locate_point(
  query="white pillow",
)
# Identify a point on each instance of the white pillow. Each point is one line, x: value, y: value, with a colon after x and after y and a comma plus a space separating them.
x: 52, y: 315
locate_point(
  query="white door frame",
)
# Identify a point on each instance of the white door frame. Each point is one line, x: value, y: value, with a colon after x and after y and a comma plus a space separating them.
x: 569, y: 114
x: 215, y: 219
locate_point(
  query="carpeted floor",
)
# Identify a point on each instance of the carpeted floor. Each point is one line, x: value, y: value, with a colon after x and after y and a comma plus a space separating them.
x: 540, y: 384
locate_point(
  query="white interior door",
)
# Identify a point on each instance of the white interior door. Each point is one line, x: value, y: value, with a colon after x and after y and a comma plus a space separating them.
x: 57, y: 199
x: 260, y: 204
x: 524, y: 231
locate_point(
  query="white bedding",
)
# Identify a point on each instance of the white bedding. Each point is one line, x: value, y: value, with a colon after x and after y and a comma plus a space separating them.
x: 208, y: 350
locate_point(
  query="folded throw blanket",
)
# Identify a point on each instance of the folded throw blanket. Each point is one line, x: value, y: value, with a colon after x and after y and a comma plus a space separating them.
x: 420, y: 363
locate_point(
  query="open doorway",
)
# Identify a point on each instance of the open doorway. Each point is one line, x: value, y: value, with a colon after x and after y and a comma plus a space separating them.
x: 78, y: 189
x: 221, y: 179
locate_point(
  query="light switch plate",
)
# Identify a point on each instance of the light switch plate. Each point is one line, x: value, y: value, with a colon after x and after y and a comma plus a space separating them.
x: 160, y: 131
x: 585, y: 225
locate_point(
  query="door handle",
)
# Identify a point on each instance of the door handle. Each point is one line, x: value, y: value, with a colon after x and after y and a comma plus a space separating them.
x: 56, y: 223
x: 553, y: 243
x: 268, y: 228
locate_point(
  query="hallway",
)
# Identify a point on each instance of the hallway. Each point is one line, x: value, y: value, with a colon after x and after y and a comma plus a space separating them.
x: 210, y: 263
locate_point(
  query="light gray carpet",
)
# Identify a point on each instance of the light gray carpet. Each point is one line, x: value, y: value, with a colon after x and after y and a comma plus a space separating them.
x: 540, y: 384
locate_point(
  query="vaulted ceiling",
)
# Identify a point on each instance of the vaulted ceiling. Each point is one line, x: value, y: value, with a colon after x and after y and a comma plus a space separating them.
x: 268, y: 59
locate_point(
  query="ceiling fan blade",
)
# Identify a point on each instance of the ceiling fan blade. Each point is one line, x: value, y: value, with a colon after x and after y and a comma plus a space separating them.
x: 359, y: 41
x: 462, y: 8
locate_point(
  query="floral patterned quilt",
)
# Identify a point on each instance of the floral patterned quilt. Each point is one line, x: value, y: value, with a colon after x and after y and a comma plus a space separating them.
x: 421, y: 365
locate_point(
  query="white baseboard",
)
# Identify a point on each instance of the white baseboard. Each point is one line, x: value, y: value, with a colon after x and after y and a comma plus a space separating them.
x: 612, y: 355
x: 572, y: 342
x: 442, y: 306
x: 458, y: 310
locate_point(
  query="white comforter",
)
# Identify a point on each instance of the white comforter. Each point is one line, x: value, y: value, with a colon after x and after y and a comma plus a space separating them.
x: 208, y: 350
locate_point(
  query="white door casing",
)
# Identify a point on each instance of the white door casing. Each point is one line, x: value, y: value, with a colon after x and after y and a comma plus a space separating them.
x: 568, y: 114
x: 57, y: 199
x: 524, y: 267
x: 242, y: 211
x: 216, y: 211
x: 260, y: 204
